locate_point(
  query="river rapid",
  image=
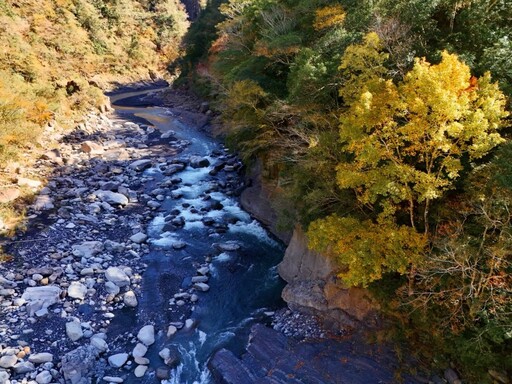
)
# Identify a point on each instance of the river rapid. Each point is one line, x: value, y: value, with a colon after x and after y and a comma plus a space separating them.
x: 243, y: 280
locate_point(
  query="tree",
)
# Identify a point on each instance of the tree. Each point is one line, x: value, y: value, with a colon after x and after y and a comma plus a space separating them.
x: 405, y: 145
x: 408, y: 140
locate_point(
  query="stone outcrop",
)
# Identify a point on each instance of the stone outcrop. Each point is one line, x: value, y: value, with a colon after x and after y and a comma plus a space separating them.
x: 313, y: 287
x: 271, y: 358
x: 256, y: 199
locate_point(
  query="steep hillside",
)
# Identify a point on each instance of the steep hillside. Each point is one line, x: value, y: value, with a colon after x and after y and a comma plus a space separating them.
x: 58, y: 55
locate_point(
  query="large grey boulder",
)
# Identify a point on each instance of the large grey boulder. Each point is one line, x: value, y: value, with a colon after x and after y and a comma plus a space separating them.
x: 79, y: 364
x: 140, y: 165
x: 199, y: 162
x: 146, y: 335
x: 44, y: 296
x: 77, y: 290
x: 74, y: 330
x: 87, y: 249
x: 112, y: 198
x: 117, y: 276
x: 8, y: 361
x: 39, y: 358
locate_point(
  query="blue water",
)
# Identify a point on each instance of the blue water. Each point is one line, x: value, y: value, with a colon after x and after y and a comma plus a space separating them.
x: 244, y: 284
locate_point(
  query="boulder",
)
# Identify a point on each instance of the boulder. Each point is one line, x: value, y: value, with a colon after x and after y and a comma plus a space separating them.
x: 113, y: 379
x: 163, y: 373
x: 79, y: 364
x: 44, y: 295
x: 140, y: 370
x: 24, y: 367
x: 146, y: 335
x: 87, y: 249
x: 171, y: 331
x: 4, y: 376
x: 202, y: 287
x: 140, y: 165
x: 77, y: 290
x: 111, y: 288
x: 139, y: 350
x: 227, y: 247
x: 74, y: 330
x: 44, y: 377
x: 24, y: 182
x: 117, y: 276
x: 43, y: 203
x: 91, y: 148
x: 139, y: 238
x: 39, y: 358
x: 8, y: 361
x: 9, y: 194
x: 199, y: 162
x: 112, y: 198
x: 118, y: 360
x: 100, y: 344
x: 130, y: 300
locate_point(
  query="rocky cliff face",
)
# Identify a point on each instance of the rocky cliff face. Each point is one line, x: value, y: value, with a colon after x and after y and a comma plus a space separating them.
x: 256, y: 200
x: 193, y: 8
x: 313, y: 287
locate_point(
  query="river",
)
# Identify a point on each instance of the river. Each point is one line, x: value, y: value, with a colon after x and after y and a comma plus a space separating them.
x: 244, y: 284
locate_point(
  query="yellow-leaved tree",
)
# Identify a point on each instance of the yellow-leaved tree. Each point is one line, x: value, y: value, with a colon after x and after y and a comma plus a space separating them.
x: 407, y: 143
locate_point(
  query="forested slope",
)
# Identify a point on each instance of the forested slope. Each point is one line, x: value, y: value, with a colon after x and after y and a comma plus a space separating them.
x: 385, y: 126
x: 58, y: 55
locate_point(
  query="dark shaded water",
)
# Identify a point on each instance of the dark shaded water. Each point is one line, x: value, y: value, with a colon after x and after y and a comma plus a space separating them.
x: 244, y: 283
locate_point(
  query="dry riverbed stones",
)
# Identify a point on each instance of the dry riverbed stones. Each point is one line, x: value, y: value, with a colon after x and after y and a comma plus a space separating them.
x: 74, y: 277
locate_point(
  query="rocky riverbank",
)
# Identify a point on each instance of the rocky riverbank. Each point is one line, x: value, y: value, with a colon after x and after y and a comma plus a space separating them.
x: 80, y: 263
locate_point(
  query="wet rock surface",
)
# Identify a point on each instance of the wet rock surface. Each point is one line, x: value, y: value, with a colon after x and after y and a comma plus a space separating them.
x: 273, y: 358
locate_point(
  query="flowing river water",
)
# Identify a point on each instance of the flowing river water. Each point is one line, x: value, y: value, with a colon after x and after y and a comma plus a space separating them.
x: 244, y: 284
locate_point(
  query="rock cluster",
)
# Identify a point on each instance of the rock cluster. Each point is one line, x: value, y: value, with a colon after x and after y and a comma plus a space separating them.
x: 73, y: 278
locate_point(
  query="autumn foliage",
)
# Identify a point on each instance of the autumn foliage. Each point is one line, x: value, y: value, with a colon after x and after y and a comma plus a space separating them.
x: 379, y: 123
